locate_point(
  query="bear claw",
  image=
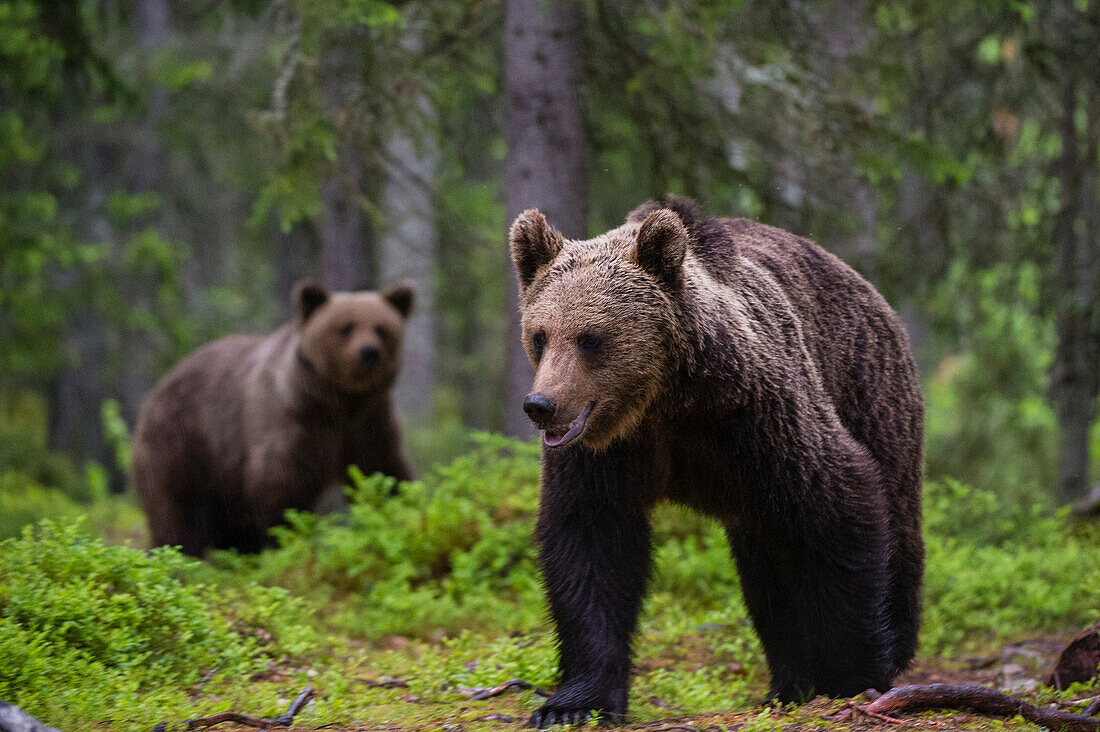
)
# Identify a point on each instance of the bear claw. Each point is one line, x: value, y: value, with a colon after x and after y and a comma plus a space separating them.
x: 544, y: 718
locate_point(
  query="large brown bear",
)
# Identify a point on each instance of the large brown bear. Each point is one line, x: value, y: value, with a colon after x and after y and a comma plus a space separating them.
x: 745, y: 372
x: 249, y: 426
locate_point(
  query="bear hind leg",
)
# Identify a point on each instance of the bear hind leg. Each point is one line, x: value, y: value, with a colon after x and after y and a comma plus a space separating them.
x: 823, y: 626
x: 181, y: 523
x: 775, y: 617
x: 906, y: 572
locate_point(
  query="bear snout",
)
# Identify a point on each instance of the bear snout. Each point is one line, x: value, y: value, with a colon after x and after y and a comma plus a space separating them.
x: 539, y: 409
x: 369, y: 357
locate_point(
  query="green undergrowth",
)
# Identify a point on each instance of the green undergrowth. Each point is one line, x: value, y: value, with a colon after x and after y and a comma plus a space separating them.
x: 394, y: 608
x: 90, y: 630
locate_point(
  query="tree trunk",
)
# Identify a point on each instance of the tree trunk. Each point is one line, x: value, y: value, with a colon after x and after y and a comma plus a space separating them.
x: 407, y: 250
x: 1077, y: 251
x: 145, y: 165
x: 545, y: 138
x: 842, y: 31
x: 294, y: 255
x: 343, y: 227
x: 78, y: 390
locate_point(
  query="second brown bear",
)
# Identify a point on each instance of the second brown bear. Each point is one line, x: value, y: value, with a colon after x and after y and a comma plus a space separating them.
x: 249, y: 426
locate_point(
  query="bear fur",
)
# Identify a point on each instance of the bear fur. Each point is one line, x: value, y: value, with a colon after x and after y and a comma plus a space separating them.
x: 249, y: 426
x: 744, y: 372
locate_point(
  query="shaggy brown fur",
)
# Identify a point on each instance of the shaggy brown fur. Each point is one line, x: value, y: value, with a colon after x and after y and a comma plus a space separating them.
x: 249, y: 426
x: 747, y: 373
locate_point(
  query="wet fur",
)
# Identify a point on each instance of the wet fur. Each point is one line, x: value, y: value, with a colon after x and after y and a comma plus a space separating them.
x: 249, y: 426
x: 784, y: 403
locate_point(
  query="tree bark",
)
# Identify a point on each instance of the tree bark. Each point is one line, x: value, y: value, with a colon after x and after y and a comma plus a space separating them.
x: 545, y: 142
x: 407, y: 250
x: 344, y: 231
x: 78, y: 390
x: 1077, y: 269
x: 843, y: 31
x: 145, y: 166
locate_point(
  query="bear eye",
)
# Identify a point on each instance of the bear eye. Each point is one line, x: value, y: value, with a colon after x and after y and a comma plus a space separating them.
x: 538, y: 342
x: 346, y: 330
x: 589, y: 341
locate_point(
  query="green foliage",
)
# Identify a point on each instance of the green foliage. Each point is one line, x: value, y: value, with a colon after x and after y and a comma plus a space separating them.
x: 23, y: 446
x: 444, y: 572
x: 24, y: 502
x: 452, y: 550
x: 1042, y: 576
x: 33, y: 243
x: 89, y: 631
x: 989, y: 422
x: 118, y: 434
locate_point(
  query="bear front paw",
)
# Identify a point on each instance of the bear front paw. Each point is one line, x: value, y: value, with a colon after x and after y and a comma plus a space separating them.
x: 577, y: 704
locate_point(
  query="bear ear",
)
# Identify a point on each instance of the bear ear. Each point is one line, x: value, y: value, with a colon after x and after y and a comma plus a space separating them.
x: 534, y: 244
x: 401, y: 296
x: 661, y: 245
x: 307, y: 296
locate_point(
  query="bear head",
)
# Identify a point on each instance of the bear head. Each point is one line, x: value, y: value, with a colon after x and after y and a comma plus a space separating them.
x: 352, y: 339
x: 600, y: 324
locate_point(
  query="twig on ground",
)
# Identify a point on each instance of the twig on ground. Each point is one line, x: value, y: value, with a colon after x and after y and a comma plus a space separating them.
x: 283, y: 720
x: 1075, y: 702
x: 478, y: 693
x: 1092, y: 709
x: 497, y: 718
x: 296, y: 706
x: 973, y: 698
x: 197, y: 691
x: 387, y: 682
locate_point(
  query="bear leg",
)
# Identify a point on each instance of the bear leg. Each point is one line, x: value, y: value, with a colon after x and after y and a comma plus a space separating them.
x: 775, y: 616
x: 166, y: 490
x: 906, y: 571
x: 821, y: 613
x: 176, y: 522
x: 594, y: 549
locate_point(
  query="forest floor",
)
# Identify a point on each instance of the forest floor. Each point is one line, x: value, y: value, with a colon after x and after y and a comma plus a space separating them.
x: 1023, y: 665
x: 409, y: 612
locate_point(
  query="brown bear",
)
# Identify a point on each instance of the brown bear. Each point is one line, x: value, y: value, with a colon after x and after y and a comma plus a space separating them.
x: 745, y: 372
x: 249, y: 426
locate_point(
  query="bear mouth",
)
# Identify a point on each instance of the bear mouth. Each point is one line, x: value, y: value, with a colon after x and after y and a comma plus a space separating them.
x: 562, y: 437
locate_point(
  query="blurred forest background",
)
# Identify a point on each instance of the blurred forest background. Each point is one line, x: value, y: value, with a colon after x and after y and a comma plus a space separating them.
x: 169, y: 169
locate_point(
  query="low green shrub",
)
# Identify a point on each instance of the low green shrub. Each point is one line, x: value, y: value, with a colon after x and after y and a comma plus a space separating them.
x: 451, y: 551
x: 991, y: 578
x: 24, y: 502
x: 989, y: 421
x: 24, y: 449
x: 91, y: 631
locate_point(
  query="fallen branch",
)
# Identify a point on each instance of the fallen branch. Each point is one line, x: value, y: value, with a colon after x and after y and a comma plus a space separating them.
x: 283, y: 720
x: 973, y: 698
x: 484, y: 692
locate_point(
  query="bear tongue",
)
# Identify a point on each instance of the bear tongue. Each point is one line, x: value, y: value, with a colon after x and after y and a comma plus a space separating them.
x: 553, y: 438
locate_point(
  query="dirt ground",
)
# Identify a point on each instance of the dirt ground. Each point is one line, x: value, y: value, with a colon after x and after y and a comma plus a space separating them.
x: 1021, y: 665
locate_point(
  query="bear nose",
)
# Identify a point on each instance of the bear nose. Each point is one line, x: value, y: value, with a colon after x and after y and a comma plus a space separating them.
x: 369, y: 356
x: 539, y: 409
